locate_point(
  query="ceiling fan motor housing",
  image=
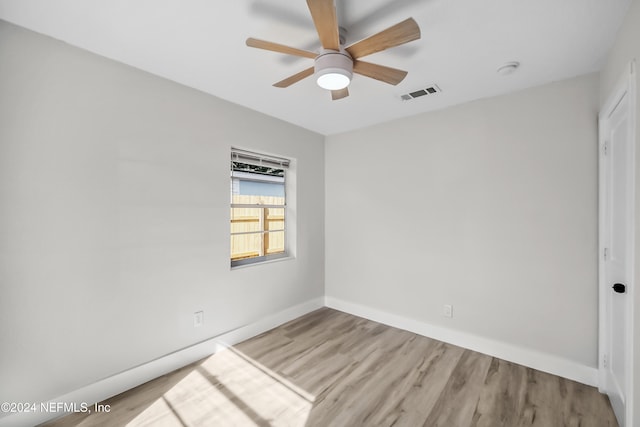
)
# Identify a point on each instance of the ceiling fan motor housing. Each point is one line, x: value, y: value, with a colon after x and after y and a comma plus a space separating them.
x: 332, y: 63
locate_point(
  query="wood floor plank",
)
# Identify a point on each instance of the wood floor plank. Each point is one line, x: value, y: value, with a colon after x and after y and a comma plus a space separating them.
x: 330, y: 368
x: 583, y: 406
x: 502, y: 398
x: 457, y: 403
x: 433, y: 374
x: 384, y: 387
x: 552, y: 400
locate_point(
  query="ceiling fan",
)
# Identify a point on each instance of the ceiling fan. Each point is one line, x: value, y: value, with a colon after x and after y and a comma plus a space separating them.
x: 335, y: 64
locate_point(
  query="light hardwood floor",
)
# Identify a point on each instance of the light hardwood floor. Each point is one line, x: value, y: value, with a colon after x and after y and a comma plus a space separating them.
x: 329, y: 368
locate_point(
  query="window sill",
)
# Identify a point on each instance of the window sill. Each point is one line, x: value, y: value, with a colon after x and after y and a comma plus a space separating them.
x: 268, y: 261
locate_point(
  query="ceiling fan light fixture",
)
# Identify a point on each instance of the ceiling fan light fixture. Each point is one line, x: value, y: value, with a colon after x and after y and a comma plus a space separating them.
x: 333, y: 70
x: 334, y: 79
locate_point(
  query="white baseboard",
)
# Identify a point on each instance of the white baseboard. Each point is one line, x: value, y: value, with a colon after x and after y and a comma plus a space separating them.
x: 133, y: 377
x: 533, y: 359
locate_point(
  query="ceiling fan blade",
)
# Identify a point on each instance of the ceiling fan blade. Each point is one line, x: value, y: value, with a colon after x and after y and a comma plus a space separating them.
x: 276, y: 47
x: 324, y: 17
x: 399, y: 34
x: 339, y: 94
x: 295, y: 78
x: 389, y: 75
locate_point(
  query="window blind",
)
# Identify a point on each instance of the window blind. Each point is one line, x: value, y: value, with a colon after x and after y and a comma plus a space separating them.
x: 251, y: 158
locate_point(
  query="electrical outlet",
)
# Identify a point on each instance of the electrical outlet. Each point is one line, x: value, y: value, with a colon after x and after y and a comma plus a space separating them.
x: 198, y: 319
x: 447, y: 311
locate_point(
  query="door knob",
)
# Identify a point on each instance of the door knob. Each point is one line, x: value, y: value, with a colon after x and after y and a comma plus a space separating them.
x: 619, y: 288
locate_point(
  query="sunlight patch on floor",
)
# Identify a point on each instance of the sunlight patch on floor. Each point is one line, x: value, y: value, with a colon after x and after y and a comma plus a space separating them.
x: 229, y: 388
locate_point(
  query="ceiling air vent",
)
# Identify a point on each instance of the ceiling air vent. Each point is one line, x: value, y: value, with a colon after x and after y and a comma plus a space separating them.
x: 429, y: 90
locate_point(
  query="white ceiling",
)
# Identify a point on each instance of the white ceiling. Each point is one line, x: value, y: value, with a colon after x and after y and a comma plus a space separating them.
x: 201, y: 44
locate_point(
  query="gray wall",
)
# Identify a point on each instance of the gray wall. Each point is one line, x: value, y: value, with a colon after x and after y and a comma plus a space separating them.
x: 626, y: 49
x: 114, y: 217
x: 490, y: 206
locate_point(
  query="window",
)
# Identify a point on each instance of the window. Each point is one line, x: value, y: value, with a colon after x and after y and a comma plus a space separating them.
x: 258, y: 207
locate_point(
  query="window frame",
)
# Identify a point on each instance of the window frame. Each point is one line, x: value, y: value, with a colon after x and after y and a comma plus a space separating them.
x: 263, y: 160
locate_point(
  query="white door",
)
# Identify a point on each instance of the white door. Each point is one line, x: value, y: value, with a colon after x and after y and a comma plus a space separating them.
x: 616, y: 244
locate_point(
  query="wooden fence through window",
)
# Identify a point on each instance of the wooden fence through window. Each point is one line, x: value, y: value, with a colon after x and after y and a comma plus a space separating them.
x: 256, y: 231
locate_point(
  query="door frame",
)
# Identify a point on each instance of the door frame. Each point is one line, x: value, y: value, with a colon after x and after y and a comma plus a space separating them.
x: 626, y: 85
